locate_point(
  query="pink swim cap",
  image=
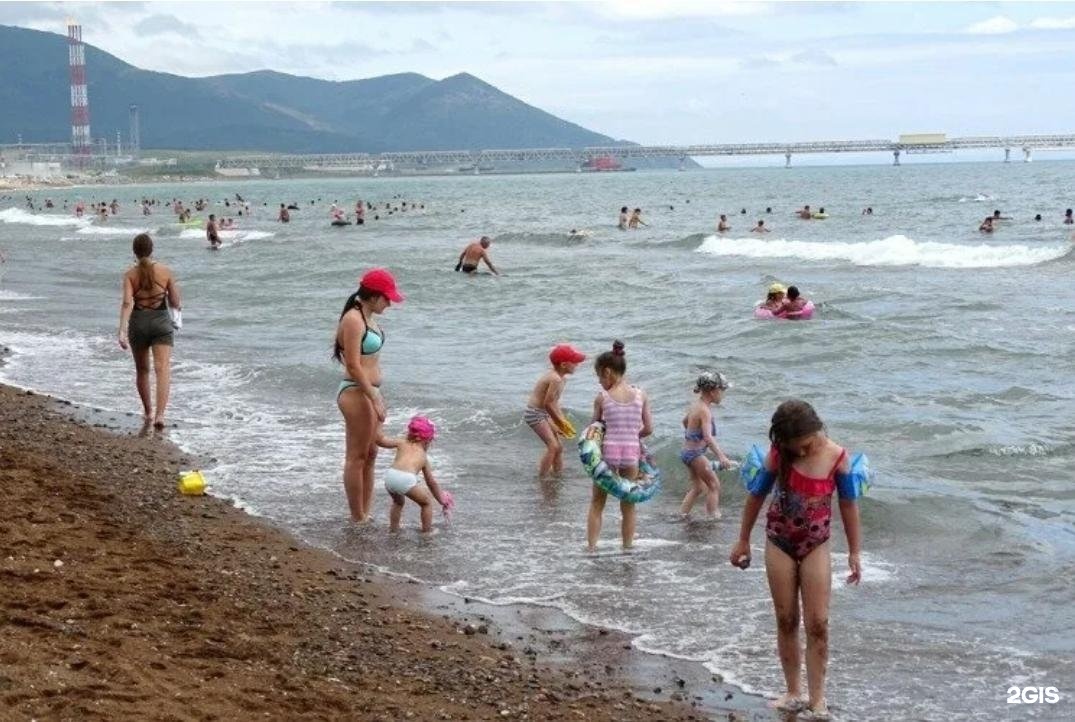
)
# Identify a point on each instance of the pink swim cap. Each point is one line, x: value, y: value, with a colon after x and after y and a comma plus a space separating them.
x: 421, y: 428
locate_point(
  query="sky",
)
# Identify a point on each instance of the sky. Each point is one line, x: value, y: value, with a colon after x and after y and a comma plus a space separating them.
x: 660, y: 72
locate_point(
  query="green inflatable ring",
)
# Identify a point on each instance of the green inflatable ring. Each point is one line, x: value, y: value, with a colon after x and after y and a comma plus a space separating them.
x: 633, y: 492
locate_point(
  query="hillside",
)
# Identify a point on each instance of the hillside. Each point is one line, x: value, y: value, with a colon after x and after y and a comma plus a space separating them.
x: 265, y: 110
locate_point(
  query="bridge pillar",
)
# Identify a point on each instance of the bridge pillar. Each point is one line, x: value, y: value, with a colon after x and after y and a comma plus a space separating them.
x: 1026, y: 155
x: 787, y: 159
x: 1007, y: 155
x: 895, y: 157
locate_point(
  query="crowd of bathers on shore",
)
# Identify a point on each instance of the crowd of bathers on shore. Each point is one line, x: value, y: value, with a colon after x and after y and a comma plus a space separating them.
x: 803, y: 466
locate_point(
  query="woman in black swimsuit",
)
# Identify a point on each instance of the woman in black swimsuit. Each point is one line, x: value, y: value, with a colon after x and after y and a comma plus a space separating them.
x: 145, y: 326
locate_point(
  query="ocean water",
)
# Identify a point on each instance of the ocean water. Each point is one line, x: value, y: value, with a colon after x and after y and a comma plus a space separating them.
x: 943, y: 353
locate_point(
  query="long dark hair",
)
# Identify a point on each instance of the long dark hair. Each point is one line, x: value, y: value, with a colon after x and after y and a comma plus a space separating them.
x: 614, y: 360
x: 792, y: 420
x: 143, y: 249
x: 362, y: 294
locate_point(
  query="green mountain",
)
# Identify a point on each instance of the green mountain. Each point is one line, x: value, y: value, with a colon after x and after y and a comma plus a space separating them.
x: 265, y: 110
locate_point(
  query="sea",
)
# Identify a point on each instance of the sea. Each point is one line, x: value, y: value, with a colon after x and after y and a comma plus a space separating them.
x: 943, y: 353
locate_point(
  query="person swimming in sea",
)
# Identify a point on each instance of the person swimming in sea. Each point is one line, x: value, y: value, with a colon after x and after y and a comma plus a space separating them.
x: 760, y: 228
x: 723, y: 225
x: 987, y: 225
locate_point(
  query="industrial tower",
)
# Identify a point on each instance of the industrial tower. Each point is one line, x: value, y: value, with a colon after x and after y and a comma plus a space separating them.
x: 134, y: 138
x: 80, y: 102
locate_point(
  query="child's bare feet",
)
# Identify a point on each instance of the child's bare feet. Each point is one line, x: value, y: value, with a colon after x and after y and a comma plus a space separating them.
x: 818, y: 712
x: 158, y: 423
x: 788, y: 702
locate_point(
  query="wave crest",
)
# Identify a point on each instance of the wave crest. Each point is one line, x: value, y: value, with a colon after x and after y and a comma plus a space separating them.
x: 18, y: 215
x: 898, y: 250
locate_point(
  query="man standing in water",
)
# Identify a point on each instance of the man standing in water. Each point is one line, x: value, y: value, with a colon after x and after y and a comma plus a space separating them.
x: 212, y: 233
x: 475, y: 253
x: 723, y: 225
x: 622, y: 225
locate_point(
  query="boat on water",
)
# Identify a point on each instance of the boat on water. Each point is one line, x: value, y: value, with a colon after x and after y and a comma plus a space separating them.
x: 603, y: 164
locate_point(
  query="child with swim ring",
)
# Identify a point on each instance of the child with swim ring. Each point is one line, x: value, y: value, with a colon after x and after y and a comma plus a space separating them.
x: 806, y: 467
x: 401, y: 481
x: 543, y: 413
x: 774, y: 300
x: 625, y: 411
x: 794, y: 305
x: 699, y: 436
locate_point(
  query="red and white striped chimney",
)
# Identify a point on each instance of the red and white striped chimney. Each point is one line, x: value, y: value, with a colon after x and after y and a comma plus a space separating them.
x: 80, y: 101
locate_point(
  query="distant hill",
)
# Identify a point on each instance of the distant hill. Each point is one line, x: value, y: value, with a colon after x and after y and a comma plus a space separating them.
x: 266, y: 110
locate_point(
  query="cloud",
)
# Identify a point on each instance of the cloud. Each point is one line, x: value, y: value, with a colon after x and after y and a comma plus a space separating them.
x: 649, y: 10
x: 165, y: 24
x: 759, y: 62
x: 1053, y: 23
x: 818, y: 58
x: 807, y: 58
x: 998, y: 25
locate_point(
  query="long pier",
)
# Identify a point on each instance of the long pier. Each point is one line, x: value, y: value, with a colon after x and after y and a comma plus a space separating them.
x: 477, y: 159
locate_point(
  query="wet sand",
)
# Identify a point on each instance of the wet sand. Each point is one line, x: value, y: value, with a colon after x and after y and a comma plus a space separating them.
x: 122, y: 599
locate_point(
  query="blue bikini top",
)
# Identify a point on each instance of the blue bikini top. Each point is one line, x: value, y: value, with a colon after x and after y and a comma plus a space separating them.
x: 372, y: 340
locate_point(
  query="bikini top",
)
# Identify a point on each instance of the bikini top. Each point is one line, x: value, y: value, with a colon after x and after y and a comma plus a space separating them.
x: 689, y: 435
x: 372, y: 339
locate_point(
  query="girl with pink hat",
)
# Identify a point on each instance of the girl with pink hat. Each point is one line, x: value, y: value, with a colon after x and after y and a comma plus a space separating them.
x: 402, y: 482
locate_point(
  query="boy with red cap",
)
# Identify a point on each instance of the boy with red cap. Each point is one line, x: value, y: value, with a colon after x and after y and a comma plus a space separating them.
x: 543, y: 413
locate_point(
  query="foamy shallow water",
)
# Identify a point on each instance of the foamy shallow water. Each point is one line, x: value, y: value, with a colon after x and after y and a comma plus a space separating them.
x: 934, y: 349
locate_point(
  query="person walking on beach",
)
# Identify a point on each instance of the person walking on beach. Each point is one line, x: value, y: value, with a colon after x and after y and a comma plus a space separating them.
x: 145, y: 325
x: 474, y: 254
x: 806, y: 467
x: 625, y: 411
x: 699, y: 436
x: 358, y: 343
x: 543, y: 413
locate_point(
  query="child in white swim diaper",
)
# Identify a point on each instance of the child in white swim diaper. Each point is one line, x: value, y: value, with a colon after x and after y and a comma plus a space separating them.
x: 402, y: 482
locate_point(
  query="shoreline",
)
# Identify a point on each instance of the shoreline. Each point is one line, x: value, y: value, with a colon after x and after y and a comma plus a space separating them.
x: 467, y: 658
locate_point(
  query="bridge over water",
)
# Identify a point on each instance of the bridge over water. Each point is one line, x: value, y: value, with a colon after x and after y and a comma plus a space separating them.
x: 478, y: 159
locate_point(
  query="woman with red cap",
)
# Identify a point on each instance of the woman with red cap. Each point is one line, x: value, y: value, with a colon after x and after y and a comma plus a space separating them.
x: 358, y: 342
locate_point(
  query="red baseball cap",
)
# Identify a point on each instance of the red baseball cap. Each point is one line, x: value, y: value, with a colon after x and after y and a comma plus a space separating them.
x: 566, y: 353
x: 383, y: 282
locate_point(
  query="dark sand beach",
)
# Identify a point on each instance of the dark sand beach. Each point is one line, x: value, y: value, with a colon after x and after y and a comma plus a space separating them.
x: 122, y: 599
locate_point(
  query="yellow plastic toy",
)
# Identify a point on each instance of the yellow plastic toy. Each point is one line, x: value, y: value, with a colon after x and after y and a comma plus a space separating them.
x: 567, y: 429
x: 191, y: 483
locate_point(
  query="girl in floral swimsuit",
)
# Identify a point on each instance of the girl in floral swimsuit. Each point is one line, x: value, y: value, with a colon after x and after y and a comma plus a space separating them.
x: 806, y: 467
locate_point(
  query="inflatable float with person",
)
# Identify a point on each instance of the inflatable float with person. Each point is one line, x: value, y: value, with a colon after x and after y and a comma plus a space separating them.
x: 784, y: 302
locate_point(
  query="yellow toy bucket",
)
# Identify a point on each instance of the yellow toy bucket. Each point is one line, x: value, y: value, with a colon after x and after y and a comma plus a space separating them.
x: 191, y: 483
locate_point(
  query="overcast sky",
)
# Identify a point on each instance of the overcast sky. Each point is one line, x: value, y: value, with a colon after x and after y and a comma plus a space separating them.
x: 653, y: 72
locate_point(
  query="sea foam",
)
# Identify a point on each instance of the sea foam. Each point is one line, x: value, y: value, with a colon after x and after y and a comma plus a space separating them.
x: 18, y: 215
x: 898, y: 250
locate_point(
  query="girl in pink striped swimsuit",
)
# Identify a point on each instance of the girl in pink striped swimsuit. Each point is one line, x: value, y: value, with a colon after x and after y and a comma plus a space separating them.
x: 625, y: 411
